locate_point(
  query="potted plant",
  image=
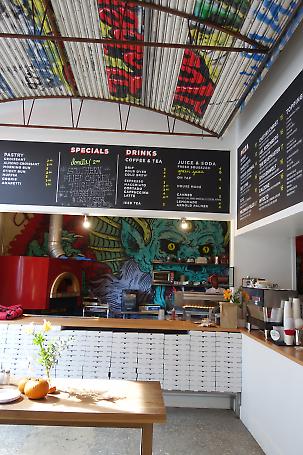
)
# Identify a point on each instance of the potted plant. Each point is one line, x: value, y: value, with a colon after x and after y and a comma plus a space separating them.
x: 231, y: 315
x: 49, y: 350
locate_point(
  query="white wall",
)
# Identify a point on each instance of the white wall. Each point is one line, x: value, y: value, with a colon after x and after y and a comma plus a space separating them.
x: 268, y: 256
x: 272, y: 399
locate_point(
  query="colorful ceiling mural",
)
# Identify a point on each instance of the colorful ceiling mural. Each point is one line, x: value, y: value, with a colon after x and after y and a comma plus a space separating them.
x: 195, y: 60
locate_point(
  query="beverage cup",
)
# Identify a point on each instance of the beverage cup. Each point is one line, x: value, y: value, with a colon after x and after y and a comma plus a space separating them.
x: 289, y: 324
x: 287, y: 310
x: 298, y: 323
x: 289, y: 339
x: 161, y: 314
x: 296, y: 307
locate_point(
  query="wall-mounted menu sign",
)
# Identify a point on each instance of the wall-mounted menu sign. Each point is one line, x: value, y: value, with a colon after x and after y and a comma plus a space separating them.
x: 270, y: 160
x: 77, y: 175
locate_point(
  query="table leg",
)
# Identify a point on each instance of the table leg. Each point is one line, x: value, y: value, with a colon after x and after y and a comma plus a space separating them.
x: 147, y: 439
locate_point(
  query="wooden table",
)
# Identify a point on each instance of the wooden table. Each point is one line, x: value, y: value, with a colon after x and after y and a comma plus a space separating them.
x: 94, y: 403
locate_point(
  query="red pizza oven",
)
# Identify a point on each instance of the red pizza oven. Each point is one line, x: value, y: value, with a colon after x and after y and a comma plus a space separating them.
x: 41, y: 284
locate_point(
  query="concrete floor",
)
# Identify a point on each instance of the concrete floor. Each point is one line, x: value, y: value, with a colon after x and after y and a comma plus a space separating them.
x: 187, y: 432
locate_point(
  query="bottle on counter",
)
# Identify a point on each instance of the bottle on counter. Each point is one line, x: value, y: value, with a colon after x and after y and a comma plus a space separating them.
x: 173, y: 314
x: 7, y: 377
x: 161, y: 314
x: 2, y: 376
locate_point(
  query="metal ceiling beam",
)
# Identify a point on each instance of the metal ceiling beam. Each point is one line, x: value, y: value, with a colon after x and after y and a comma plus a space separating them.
x: 129, y: 43
x: 192, y: 17
x: 104, y: 130
x: 63, y: 55
x: 106, y: 100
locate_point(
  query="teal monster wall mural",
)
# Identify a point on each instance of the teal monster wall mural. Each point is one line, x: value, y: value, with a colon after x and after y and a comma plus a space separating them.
x: 119, y: 252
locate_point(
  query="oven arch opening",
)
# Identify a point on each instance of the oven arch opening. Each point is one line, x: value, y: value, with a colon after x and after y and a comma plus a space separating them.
x: 65, y: 285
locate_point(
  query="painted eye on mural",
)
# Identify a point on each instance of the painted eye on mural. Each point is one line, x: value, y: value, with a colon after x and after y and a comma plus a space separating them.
x: 171, y: 246
x: 168, y: 246
x: 206, y: 249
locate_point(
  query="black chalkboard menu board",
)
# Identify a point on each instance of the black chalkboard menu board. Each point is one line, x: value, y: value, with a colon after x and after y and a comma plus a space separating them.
x: 108, y: 176
x: 270, y: 160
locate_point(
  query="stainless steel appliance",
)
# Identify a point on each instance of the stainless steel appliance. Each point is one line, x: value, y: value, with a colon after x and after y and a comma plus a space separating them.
x: 163, y: 277
x: 270, y: 298
x: 262, y: 301
x: 129, y: 300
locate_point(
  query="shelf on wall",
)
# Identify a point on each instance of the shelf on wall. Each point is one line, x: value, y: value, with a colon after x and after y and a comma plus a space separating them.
x: 199, y: 286
x: 189, y: 263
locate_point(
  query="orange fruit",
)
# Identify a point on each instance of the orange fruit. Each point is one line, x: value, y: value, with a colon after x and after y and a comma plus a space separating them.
x: 36, y: 388
x: 21, y: 384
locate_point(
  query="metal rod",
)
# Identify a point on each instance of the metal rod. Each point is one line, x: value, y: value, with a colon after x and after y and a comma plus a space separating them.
x: 104, y: 130
x: 106, y: 100
x: 127, y: 117
x: 23, y: 111
x: 62, y: 52
x: 33, y: 16
x: 30, y: 112
x: 130, y: 43
x: 44, y: 16
x: 168, y: 126
x: 79, y: 113
x: 120, y: 117
x: 191, y: 17
x: 72, y: 112
x: 173, y: 128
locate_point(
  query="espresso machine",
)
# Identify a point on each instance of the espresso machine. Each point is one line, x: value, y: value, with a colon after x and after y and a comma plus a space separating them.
x: 264, y: 309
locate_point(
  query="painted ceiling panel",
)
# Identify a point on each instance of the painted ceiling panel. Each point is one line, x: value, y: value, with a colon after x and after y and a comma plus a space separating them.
x: 145, y: 53
x: 264, y: 23
x: 124, y: 65
x: 164, y: 64
x: 29, y: 68
x: 87, y: 60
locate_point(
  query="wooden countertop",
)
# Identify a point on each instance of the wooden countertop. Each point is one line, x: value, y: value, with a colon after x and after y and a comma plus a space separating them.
x: 112, y: 323
x: 91, y: 403
x: 294, y: 353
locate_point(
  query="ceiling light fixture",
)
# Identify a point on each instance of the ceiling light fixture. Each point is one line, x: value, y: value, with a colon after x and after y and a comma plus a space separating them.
x: 184, y: 224
x: 86, y: 222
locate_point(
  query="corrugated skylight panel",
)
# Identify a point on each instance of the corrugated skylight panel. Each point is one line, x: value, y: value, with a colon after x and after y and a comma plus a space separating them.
x: 162, y: 65
x: 80, y: 19
x: 264, y: 23
x: 28, y: 68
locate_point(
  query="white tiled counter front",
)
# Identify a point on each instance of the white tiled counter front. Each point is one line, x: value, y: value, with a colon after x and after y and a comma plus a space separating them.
x: 196, y: 361
x: 202, y: 362
x: 228, y: 362
x: 150, y: 357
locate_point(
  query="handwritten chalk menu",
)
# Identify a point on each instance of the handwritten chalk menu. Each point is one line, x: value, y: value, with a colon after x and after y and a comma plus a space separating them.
x: 88, y: 181
x: 270, y: 160
x: 99, y: 176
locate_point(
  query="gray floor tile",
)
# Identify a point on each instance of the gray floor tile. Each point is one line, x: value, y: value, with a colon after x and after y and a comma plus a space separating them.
x: 187, y: 432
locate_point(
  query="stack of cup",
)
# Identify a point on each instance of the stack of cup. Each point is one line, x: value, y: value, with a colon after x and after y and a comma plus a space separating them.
x: 276, y: 315
x: 296, y: 308
x: 289, y: 323
x: 297, y: 313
